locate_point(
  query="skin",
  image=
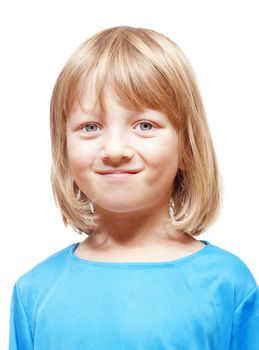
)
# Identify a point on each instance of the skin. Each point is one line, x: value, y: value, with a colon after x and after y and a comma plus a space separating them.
x: 133, y: 208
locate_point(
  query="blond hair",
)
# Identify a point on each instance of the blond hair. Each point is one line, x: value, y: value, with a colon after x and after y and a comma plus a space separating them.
x: 148, y: 70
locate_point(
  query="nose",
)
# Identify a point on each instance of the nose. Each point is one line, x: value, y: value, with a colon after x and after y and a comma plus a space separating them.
x: 116, y: 149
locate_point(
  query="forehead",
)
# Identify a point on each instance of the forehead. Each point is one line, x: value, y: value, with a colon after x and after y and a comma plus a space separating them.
x: 93, y: 100
x: 96, y: 89
x: 106, y: 98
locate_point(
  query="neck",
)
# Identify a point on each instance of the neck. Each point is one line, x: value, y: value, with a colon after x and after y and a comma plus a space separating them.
x: 132, y: 229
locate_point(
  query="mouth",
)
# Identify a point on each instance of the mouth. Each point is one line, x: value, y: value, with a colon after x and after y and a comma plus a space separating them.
x: 118, y: 174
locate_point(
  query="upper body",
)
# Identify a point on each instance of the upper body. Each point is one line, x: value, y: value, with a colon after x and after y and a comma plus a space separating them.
x: 206, y: 300
x: 134, y: 167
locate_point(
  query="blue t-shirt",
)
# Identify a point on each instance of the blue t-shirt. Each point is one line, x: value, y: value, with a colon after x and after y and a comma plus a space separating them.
x: 208, y: 300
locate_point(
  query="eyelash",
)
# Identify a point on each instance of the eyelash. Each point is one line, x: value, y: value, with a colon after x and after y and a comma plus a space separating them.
x: 92, y: 123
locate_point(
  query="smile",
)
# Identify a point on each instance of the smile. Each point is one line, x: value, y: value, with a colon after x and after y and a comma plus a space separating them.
x: 118, y: 174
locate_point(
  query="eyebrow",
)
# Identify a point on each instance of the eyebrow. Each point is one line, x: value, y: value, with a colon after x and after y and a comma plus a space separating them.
x: 101, y: 114
x: 92, y: 111
x: 96, y: 113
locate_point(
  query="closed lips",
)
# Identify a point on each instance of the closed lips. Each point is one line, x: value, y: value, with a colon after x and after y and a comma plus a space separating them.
x: 119, y: 172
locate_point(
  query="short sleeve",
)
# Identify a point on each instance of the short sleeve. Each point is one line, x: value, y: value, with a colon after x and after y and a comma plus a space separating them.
x: 20, y: 336
x: 245, y: 330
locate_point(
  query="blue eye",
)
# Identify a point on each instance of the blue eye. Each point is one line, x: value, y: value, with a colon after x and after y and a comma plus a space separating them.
x: 146, y: 126
x: 93, y: 127
x: 89, y: 127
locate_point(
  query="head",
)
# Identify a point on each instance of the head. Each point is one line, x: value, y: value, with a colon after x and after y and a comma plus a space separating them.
x: 145, y: 70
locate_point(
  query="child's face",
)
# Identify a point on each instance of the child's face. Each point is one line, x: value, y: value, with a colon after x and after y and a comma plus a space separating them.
x: 121, y: 139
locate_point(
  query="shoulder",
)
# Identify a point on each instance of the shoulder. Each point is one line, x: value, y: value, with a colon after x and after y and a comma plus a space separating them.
x: 43, y: 273
x: 228, y: 269
x: 229, y: 263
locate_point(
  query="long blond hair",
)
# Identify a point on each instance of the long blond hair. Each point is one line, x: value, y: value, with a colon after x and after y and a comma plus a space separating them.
x: 146, y: 69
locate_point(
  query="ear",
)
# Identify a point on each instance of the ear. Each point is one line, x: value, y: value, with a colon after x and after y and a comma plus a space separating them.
x: 181, y: 165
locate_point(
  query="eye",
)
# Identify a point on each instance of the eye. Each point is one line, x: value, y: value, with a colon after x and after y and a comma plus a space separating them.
x: 90, y: 127
x: 146, y: 126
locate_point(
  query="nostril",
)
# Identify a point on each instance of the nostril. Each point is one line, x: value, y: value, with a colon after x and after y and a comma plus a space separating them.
x: 116, y: 154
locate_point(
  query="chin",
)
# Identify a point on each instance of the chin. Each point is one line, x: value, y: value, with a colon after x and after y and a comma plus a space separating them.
x: 118, y: 209
x: 120, y: 206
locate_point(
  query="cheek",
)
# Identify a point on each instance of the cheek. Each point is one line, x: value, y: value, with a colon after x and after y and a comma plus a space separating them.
x: 164, y: 160
x: 164, y: 155
x: 79, y: 158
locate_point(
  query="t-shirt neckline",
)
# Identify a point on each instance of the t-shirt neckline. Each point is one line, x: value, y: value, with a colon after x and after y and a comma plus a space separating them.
x: 140, y: 264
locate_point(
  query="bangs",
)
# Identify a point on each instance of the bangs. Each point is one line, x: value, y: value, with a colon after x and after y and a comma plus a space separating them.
x: 134, y: 70
x: 136, y: 82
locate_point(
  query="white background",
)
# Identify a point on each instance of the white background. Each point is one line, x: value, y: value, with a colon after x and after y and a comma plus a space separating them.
x: 221, y: 40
